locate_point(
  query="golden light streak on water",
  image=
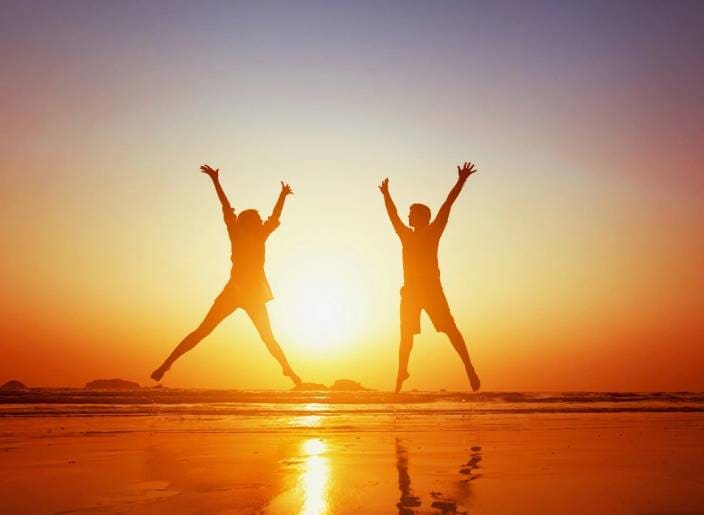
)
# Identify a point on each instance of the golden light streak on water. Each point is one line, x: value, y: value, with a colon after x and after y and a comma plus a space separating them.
x: 315, y: 477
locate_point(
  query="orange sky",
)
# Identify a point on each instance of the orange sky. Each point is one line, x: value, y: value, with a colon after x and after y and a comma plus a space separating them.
x: 572, y: 260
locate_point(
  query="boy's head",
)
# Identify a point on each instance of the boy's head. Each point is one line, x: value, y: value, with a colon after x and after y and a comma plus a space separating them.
x: 418, y: 215
x: 249, y: 219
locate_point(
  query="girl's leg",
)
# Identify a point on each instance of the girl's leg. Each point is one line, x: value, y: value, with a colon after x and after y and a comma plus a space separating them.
x: 260, y: 317
x: 223, y: 306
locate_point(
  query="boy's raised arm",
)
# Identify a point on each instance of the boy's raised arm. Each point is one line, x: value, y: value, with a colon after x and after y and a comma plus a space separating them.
x: 463, y: 174
x: 391, y: 210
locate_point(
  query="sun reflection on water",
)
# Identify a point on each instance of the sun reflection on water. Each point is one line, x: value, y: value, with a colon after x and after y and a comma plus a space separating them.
x: 306, y: 421
x: 315, y: 476
x: 311, y: 419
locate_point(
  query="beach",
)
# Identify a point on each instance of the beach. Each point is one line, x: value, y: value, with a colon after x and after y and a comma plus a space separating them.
x: 350, y: 453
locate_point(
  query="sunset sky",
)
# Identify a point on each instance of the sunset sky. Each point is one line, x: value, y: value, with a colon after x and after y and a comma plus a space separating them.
x: 574, y: 259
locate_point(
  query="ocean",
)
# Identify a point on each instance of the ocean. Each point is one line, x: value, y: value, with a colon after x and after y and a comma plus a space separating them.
x: 42, y: 402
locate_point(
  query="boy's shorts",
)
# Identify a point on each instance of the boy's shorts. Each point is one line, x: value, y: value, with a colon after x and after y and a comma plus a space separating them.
x: 432, y: 300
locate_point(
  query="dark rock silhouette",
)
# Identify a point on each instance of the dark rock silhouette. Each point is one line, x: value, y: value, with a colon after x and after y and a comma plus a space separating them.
x: 112, y: 384
x: 347, y: 385
x: 13, y: 384
x: 308, y: 387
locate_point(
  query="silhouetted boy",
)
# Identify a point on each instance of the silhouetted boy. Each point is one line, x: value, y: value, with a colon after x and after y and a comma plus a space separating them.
x: 421, y: 286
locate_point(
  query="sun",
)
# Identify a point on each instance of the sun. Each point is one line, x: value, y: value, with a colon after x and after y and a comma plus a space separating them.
x: 324, y: 311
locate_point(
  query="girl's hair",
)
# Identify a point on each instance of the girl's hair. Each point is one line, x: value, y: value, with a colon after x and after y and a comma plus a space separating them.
x: 248, y: 219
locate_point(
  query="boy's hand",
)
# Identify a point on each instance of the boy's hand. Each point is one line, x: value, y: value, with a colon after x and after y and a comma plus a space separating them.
x: 384, y: 186
x: 207, y: 170
x: 466, y: 170
x: 286, y: 189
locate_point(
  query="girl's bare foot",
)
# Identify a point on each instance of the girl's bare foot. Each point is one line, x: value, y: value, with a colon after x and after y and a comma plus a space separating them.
x: 473, y: 379
x: 293, y: 376
x: 159, y: 373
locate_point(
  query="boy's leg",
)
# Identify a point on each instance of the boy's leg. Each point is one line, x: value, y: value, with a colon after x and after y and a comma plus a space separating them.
x: 260, y: 317
x: 410, y: 326
x: 439, y: 312
x: 457, y: 341
x: 224, y: 305
x: 404, y: 353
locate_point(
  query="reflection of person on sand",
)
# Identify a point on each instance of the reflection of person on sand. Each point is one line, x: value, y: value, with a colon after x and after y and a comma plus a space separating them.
x: 248, y: 287
x: 407, y: 501
x: 447, y: 498
x: 422, y: 288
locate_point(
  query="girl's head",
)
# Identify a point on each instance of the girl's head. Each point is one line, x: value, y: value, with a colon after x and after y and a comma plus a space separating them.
x: 249, y: 220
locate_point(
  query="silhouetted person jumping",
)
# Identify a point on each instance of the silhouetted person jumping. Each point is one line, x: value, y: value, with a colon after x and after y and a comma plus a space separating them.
x: 421, y: 276
x: 248, y: 287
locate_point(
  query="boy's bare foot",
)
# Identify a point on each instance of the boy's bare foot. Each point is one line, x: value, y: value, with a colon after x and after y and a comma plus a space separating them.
x: 473, y: 379
x: 402, y: 376
x: 159, y: 373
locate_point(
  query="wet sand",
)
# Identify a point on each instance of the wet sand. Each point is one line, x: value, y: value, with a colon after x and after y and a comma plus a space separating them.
x: 388, y: 461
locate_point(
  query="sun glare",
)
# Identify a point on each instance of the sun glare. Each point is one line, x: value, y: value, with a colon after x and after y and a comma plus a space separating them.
x: 326, y: 312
